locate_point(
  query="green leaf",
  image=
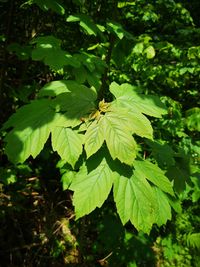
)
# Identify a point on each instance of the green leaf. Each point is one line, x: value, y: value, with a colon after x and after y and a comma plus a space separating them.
x: 193, y: 119
x: 80, y: 74
x: 67, y: 179
x: 175, y: 203
x: 150, y: 52
x: 49, y: 4
x: 127, y: 96
x: 196, y: 182
x: 124, y: 4
x: 162, y: 152
x: 138, y: 48
x: 32, y: 125
x: 116, y: 128
x: 179, y: 177
x: 91, y: 69
x: 117, y: 28
x: 66, y: 120
x: 94, y: 138
x: 118, y: 137
x: 56, y: 88
x: 135, y: 201
x: 74, y: 99
x: 48, y: 50
x: 85, y: 22
x: 78, y: 97
x: 91, y: 188
x: 140, y: 125
x: 154, y: 174
x: 193, y: 240
x: 22, y: 51
x: 94, y: 79
x: 8, y: 176
x: 163, y: 207
x: 135, y: 121
x: 126, y: 89
x: 67, y: 143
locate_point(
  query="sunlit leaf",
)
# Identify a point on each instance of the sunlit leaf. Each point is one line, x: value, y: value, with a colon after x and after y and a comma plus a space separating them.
x: 150, y: 52
x: 135, y: 201
x: 118, y: 29
x: 154, y: 174
x: 119, y: 139
x: 127, y: 96
x: 32, y: 125
x: 163, y: 207
x: 67, y: 143
x: 94, y: 138
x: 91, y: 188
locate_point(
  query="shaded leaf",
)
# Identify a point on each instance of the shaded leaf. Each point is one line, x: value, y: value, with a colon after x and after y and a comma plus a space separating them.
x: 74, y: 99
x: 49, y: 4
x: 162, y: 152
x: 48, y: 50
x: 85, y: 22
x: 179, y: 177
x: 193, y: 119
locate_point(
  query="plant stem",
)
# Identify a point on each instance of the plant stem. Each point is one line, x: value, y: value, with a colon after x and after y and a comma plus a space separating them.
x: 104, y: 80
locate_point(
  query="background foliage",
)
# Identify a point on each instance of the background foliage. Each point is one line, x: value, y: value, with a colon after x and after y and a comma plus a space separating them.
x: 52, y: 52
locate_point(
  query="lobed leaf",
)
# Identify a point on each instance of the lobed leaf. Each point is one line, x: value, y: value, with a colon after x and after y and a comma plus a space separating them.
x: 49, y: 51
x: 91, y: 188
x: 135, y: 201
x: 118, y: 138
x: 163, y: 207
x: 94, y: 138
x: 67, y: 143
x: 32, y: 125
x: 127, y: 96
x: 154, y: 174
